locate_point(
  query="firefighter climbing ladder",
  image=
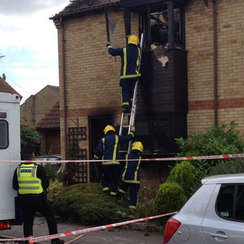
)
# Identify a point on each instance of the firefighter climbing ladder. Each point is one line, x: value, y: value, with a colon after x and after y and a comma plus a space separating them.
x: 132, y: 115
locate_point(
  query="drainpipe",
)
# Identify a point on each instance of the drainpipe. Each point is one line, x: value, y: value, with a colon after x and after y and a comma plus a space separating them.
x: 215, y: 14
x: 64, y: 89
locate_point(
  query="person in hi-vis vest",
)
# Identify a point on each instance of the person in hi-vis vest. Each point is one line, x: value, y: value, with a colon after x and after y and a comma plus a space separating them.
x: 31, y: 182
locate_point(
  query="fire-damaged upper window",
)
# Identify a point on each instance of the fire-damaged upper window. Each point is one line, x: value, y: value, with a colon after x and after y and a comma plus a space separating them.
x: 163, y: 25
x: 159, y: 21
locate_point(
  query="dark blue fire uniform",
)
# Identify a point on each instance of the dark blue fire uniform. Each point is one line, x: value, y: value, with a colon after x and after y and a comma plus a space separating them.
x: 130, y: 61
x: 108, y: 149
x: 131, y: 178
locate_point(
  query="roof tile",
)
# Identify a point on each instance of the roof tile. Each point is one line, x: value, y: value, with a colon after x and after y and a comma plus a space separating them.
x: 5, y: 87
x: 51, y: 120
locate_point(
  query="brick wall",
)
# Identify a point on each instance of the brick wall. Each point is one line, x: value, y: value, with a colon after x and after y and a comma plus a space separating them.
x: 92, y: 75
x: 36, y: 106
x: 199, y: 40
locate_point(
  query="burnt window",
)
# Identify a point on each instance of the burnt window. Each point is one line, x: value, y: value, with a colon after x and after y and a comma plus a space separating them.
x: 163, y: 25
x: 159, y: 24
x: 4, y: 136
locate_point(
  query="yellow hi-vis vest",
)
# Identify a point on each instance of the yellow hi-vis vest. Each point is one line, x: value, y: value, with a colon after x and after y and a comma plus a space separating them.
x: 27, y: 179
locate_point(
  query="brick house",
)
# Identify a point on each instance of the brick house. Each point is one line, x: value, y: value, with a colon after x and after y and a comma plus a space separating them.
x: 49, y: 129
x: 201, y: 86
x: 36, y: 106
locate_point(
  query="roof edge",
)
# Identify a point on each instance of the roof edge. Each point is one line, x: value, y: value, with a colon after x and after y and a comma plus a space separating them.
x: 90, y: 9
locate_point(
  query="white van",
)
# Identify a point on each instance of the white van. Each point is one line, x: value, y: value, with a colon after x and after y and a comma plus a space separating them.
x: 9, y: 150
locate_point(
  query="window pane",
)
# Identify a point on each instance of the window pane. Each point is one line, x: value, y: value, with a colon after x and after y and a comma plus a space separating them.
x: 161, y: 134
x: 225, y: 201
x: 239, y: 215
x: 3, y: 134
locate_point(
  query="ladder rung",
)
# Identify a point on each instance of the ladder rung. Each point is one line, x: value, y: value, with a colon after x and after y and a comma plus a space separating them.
x: 125, y: 126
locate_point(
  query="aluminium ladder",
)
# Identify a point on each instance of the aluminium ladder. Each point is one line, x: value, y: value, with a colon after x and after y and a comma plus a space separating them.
x: 132, y: 115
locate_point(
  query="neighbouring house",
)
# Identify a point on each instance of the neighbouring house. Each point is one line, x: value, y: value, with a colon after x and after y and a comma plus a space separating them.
x: 201, y: 85
x: 6, y: 88
x: 49, y: 130
x: 36, y: 106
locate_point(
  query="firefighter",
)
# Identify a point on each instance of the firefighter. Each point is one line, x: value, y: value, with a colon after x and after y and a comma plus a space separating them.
x: 130, y: 61
x: 108, y: 149
x: 131, y: 176
x: 31, y: 182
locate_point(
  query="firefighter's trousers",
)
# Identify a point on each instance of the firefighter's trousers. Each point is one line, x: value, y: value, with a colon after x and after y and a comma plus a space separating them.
x: 127, y: 86
x: 110, y: 178
x: 134, y: 188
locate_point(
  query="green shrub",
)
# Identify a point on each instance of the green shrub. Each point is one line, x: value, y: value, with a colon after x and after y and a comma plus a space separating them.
x: 183, y: 174
x: 230, y: 166
x: 218, y: 140
x: 54, y: 190
x: 86, y: 204
x: 145, y: 201
x: 222, y: 139
x: 51, y: 171
x: 170, y: 198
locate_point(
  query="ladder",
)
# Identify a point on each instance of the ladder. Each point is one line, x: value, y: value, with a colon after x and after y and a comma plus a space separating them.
x: 132, y: 115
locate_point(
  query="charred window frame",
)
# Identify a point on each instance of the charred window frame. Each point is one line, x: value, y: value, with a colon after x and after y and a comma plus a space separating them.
x: 163, y: 25
x: 4, y: 134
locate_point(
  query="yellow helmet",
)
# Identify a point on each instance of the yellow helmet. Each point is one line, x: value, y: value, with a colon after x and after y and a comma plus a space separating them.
x: 137, y: 145
x: 133, y: 39
x: 108, y: 128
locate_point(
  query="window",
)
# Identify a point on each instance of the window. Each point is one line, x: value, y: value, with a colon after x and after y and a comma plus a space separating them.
x: 4, y: 141
x: 230, y: 202
x: 164, y: 25
x: 156, y: 139
x: 225, y: 201
x: 159, y: 24
x: 161, y: 133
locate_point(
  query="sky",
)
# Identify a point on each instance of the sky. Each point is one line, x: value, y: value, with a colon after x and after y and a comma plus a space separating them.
x: 28, y: 40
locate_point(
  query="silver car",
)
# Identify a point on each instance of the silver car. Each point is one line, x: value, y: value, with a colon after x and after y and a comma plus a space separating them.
x: 214, y: 214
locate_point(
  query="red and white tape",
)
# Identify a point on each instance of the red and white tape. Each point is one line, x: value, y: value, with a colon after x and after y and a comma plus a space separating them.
x: 225, y: 156
x: 83, y: 231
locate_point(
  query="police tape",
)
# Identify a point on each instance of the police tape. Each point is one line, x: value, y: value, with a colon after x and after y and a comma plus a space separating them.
x: 225, y: 156
x: 83, y: 231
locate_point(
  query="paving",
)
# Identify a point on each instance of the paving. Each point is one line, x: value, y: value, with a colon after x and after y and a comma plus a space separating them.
x: 110, y: 236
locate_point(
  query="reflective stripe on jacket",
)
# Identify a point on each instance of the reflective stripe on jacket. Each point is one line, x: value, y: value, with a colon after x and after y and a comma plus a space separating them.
x: 130, y: 60
x: 131, y: 172
x: 108, y: 147
x: 27, y: 179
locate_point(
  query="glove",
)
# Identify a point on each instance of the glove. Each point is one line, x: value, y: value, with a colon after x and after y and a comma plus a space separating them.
x: 108, y: 44
x: 132, y: 129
